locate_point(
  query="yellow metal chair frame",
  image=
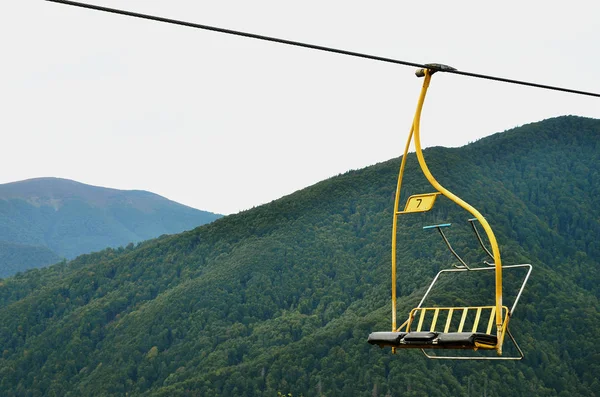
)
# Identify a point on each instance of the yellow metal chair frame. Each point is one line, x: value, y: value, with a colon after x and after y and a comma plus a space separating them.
x: 442, y: 319
x: 497, y: 314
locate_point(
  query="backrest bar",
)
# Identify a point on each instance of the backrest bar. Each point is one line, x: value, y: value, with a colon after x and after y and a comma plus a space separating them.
x: 470, y: 317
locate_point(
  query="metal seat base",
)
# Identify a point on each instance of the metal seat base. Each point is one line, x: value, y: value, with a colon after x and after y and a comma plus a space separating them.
x: 434, y: 340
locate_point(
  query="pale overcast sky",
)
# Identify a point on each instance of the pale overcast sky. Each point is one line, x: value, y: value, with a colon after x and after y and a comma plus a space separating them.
x: 224, y: 123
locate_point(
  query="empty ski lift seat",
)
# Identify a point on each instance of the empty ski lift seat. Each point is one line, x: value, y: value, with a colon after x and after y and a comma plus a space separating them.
x: 460, y: 329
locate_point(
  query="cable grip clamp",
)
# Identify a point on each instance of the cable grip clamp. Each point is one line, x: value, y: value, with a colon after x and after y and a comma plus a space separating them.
x: 434, y: 67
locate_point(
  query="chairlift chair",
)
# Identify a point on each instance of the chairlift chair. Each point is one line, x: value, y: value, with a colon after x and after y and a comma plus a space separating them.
x: 441, y: 327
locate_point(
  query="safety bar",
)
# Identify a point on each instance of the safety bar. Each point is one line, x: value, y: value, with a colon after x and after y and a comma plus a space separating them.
x: 439, y: 228
x: 476, y: 269
x: 472, y: 222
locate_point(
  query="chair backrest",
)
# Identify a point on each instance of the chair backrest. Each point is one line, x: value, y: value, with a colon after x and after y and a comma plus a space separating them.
x: 454, y: 319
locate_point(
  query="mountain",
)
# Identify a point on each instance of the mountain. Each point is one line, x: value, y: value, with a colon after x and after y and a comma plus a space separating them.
x: 281, y: 298
x: 19, y: 257
x: 69, y: 218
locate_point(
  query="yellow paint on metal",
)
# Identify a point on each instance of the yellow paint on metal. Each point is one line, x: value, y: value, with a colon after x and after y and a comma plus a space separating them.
x: 422, y: 324
x: 421, y: 318
x: 419, y: 203
x: 448, y: 320
x: 434, y: 321
x: 476, y: 322
x: 491, y: 322
x: 464, y: 205
x: 415, y: 132
x: 395, y: 226
x: 415, y: 204
x: 479, y: 345
x: 503, y: 333
x: 463, y: 318
x: 405, y: 325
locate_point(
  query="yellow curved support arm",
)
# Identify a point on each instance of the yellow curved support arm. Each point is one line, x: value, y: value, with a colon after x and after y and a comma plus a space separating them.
x: 395, y: 226
x: 415, y: 131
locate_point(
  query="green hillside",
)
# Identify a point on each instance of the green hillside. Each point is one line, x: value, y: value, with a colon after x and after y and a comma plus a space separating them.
x: 70, y: 218
x: 20, y: 257
x: 281, y: 298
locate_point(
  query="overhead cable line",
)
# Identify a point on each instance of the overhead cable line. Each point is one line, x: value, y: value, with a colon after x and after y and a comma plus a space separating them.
x: 318, y: 47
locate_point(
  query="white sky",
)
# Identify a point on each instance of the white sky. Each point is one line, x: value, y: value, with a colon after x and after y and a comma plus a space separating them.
x: 224, y: 123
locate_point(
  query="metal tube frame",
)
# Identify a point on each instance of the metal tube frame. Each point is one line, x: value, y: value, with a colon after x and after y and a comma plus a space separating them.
x: 464, y: 264
x: 510, y: 313
x: 476, y: 269
x: 471, y: 221
x: 513, y: 358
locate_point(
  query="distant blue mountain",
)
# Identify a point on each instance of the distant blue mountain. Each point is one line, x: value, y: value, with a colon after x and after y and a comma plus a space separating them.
x: 53, y: 218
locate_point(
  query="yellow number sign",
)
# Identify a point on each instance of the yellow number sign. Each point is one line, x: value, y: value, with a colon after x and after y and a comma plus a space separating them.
x: 419, y: 203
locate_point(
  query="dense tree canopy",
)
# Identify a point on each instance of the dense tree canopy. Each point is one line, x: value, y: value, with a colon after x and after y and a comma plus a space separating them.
x: 281, y: 298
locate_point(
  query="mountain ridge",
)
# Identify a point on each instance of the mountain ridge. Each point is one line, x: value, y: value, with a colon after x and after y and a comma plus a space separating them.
x: 71, y: 218
x: 54, y: 190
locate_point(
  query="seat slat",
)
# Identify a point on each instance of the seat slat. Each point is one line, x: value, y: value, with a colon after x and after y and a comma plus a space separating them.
x: 453, y: 337
x: 435, y: 317
x: 421, y: 318
x: 477, y: 316
x: 491, y: 321
x: 449, y: 319
x: 463, y: 318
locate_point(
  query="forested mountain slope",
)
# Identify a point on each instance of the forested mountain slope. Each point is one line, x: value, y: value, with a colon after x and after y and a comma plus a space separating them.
x: 15, y: 257
x: 71, y: 218
x: 281, y: 298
